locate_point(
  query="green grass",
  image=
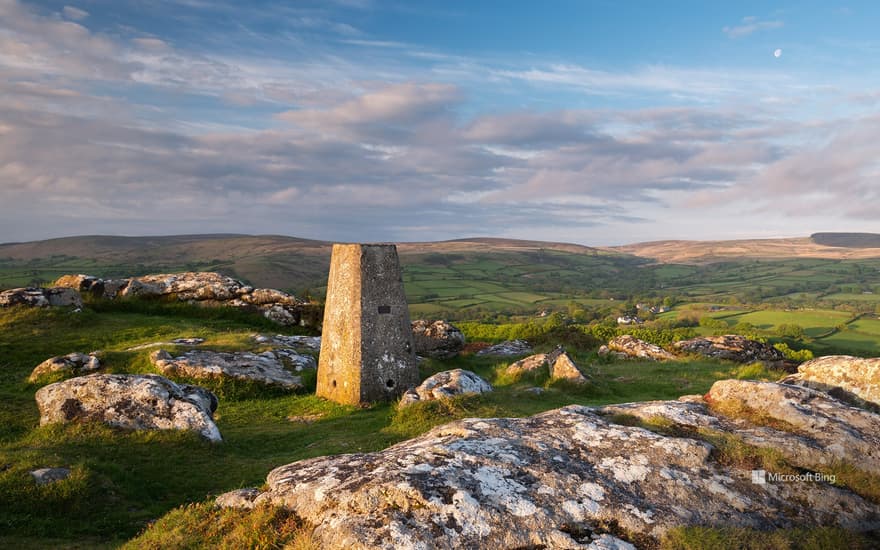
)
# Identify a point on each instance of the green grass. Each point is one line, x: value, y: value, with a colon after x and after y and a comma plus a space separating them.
x: 740, y: 538
x: 123, y: 481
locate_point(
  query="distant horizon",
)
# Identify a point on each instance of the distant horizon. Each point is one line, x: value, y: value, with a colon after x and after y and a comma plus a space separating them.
x: 375, y: 120
x: 468, y: 238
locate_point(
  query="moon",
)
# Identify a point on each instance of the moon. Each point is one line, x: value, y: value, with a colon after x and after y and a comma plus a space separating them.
x: 777, y: 52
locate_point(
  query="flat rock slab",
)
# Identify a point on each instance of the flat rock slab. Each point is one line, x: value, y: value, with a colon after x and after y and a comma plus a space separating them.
x: 508, y: 348
x: 310, y: 343
x: 551, y: 480
x: 444, y: 385
x: 533, y: 364
x: 72, y: 363
x: 130, y: 401
x: 190, y: 341
x: 40, y: 297
x: 265, y: 368
x: 857, y: 377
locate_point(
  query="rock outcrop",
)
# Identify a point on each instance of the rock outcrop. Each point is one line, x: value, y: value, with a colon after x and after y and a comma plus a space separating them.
x: 189, y: 341
x: 265, y: 368
x: 206, y: 288
x: 308, y: 343
x: 630, y: 347
x: 565, y: 478
x: 563, y: 367
x: 72, y: 363
x: 531, y: 365
x: 438, y: 339
x: 136, y: 402
x: 41, y: 297
x: 732, y: 347
x: 242, y: 499
x: 558, y: 365
x: 444, y: 385
x: 508, y: 348
x: 849, y: 378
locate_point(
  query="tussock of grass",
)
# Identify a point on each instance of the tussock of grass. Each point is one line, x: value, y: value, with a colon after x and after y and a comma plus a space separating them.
x: 858, y: 481
x: 757, y: 371
x: 206, y: 526
x: 739, y: 538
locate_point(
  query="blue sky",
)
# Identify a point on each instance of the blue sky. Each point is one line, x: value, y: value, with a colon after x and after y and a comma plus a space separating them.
x: 369, y: 120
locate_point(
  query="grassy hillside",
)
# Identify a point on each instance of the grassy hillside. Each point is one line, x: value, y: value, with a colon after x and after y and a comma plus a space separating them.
x: 122, y: 480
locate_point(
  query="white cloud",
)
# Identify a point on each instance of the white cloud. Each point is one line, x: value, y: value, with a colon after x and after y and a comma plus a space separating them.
x: 751, y: 24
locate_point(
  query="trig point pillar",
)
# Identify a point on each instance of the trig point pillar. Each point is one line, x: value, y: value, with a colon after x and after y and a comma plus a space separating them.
x: 366, y: 342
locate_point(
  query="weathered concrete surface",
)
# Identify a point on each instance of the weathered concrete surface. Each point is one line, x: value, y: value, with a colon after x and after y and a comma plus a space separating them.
x: 552, y: 480
x: 508, y: 348
x: 72, y: 363
x: 367, y: 351
x: 439, y: 339
x: 627, y: 346
x: 206, y: 288
x: 135, y: 402
x: 265, y: 368
x: 40, y: 297
x: 844, y: 376
x: 732, y: 347
x: 444, y: 385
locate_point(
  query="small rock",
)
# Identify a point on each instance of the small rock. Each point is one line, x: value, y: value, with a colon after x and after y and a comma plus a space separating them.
x: 50, y: 475
x: 563, y: 367
x: 535, y: 391
x: 131, y: 401
x: 72, y: 363
x: 305, y: 418
x: 192, y: 341
x: 508, y: 348
x: 630, y: 346
x: 41, y: 297
x: 529, y: 365
x: 445, y: 384
x: 731, y: 347
x: 438, y: 339
x: 242, y: 499
x: 265, y: 368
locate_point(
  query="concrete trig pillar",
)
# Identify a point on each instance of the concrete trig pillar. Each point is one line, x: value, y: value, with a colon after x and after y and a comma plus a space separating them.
x: 366, y: 342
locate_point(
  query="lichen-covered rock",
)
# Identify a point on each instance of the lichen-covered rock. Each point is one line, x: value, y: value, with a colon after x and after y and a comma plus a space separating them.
x: 508, y: 348
x: 844, y: 376
x: 207, y: 288
x: 445, y: 384
x: 310, y: 343
x: 265, y: 368
x: 136, y: 402
x: 439, y: 339
x: 242, y: 499
x: 40, y: 297
x: 554, y: 480
x: 533, y: 364
x: 563, y: 367
x: 42, y: 476
x: 630, y: 346
x: 732, y: 347
x: 72, y: 363
x: 836, y: 430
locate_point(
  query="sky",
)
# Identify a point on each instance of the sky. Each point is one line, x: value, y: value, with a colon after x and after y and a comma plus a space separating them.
x: 594, y: 122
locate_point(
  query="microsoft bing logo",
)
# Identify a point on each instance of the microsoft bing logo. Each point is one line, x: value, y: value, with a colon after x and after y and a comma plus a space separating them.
x: 759, y: 477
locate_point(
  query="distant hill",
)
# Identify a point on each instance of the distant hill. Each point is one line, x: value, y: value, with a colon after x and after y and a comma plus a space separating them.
x: 847, y: 240
x: 847, y: 246
x: 271, y: 261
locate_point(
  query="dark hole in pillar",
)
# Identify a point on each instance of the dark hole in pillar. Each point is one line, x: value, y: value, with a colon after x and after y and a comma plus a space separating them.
x: 390, y: 383
x: 333, y: 383
x: 384, y: 309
